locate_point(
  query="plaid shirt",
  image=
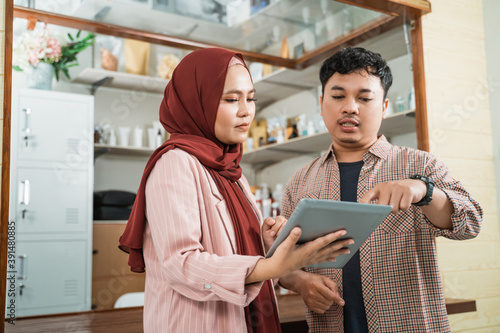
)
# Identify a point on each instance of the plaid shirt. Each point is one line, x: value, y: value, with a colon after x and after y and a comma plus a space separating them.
x: 402, y: 288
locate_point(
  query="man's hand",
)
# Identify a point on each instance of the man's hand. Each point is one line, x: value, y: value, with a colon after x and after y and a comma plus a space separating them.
x: 319, y: 293
x: 399, y: 194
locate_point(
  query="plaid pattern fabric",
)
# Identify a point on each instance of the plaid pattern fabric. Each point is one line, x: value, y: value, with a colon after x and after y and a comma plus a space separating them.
x: 400, y: 278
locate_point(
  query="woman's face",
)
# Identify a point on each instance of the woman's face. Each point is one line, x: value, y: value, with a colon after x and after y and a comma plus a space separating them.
x: 236, y: 108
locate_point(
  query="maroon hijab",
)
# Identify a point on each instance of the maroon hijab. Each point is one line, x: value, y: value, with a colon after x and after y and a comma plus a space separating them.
x: 188, y: 112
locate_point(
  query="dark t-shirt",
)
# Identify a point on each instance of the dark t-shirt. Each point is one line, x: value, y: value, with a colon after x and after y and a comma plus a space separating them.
x: 354, y: 309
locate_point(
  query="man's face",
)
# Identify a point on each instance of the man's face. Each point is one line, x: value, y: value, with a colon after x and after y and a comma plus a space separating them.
x: 353, y: 107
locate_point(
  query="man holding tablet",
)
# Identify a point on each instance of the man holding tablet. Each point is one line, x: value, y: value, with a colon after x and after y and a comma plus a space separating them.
x: 392, y: 283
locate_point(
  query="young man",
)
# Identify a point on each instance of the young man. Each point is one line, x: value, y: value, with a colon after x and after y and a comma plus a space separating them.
x: 392, y: 283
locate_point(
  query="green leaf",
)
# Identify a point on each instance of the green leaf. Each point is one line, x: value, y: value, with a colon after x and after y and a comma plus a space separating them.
x: 17, y: 68
x: 65, y: 71
x: 70, y: 51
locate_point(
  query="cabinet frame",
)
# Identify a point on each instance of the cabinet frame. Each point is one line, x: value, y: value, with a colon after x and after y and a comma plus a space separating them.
x: 401, y: 11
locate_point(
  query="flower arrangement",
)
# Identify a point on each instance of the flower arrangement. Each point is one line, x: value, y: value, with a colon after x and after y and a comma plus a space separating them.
x: 38, y: 45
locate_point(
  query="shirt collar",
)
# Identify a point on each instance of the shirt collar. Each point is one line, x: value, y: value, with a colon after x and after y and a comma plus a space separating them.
x: 380, y: 148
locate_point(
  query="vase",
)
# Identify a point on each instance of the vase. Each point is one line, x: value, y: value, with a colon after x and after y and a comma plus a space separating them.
x: 40, y: 77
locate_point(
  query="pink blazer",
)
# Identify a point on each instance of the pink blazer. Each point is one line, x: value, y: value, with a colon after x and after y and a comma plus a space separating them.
x: 194, y: 280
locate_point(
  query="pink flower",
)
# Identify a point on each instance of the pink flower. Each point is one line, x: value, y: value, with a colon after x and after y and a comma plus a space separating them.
x: 36, y: 46
x: 55, y: 48
x: 33, y: 59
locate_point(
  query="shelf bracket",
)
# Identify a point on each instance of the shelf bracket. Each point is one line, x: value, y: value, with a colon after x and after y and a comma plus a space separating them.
x: 99, y: 83
x: 99, y: 152
x: 102, y: 13
x: 410, y: 114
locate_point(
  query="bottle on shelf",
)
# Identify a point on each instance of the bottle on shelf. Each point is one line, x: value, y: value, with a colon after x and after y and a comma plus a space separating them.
x: 302, y: 125
x: 278, y: 193
x: 266, y: 201
x: 97, y: 134
x: 275, y: 210
x: 310, y: 128
x: 280, y: 138
x: 295, y: 132
x: 159, y: 138
x: 400, y: 104
x: 258, y: 198
x: 411, y: 99
x: 112, y: 137
x: 276, y: 196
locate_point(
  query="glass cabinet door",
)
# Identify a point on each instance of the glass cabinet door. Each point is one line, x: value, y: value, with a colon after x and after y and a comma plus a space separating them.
x: 281, y: 28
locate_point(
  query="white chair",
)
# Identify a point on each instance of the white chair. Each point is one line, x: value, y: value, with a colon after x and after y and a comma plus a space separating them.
x: 129, y: 300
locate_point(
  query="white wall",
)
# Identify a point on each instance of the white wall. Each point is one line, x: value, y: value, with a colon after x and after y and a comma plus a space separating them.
x: 491, y: 11
x: 460, y: 135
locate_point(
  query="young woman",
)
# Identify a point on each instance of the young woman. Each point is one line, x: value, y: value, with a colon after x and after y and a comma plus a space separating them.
x: 195, y: 224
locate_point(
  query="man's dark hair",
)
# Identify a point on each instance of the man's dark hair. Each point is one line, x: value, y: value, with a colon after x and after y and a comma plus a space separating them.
x: 355, y: 59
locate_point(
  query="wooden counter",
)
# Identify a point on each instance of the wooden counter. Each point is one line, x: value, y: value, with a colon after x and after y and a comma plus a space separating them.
x: 291, y: 307
x: 129, y: 320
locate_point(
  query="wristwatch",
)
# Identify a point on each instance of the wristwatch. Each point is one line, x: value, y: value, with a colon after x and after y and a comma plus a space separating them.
x: 430, y: 188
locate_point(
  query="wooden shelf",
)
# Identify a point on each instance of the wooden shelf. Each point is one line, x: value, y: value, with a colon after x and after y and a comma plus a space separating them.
x: 291, y: 307
x: 396, y: 124
x: 100, y: 77
x: 100, y: 149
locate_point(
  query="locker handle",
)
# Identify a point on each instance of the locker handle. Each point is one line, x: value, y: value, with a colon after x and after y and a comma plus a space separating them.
x: 21, y: 273
x: 27, y: 119
x: 26, y: 192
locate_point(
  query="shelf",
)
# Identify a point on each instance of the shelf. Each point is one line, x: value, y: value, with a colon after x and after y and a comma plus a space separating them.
x: 100, y: 77
x: 100, y: 149
x: 284, y: 83
x: 275, y: 86
x: 396, y: 124
x: 280, y: 151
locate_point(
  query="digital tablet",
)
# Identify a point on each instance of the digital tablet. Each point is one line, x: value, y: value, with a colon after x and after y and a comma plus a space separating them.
x: 320, y: 217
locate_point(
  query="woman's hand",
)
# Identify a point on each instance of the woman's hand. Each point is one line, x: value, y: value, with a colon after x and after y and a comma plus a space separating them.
x: 289, y: 257
x: 271, y: 229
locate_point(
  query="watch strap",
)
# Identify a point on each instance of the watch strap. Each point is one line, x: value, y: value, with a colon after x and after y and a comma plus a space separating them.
x: 426, y: 200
